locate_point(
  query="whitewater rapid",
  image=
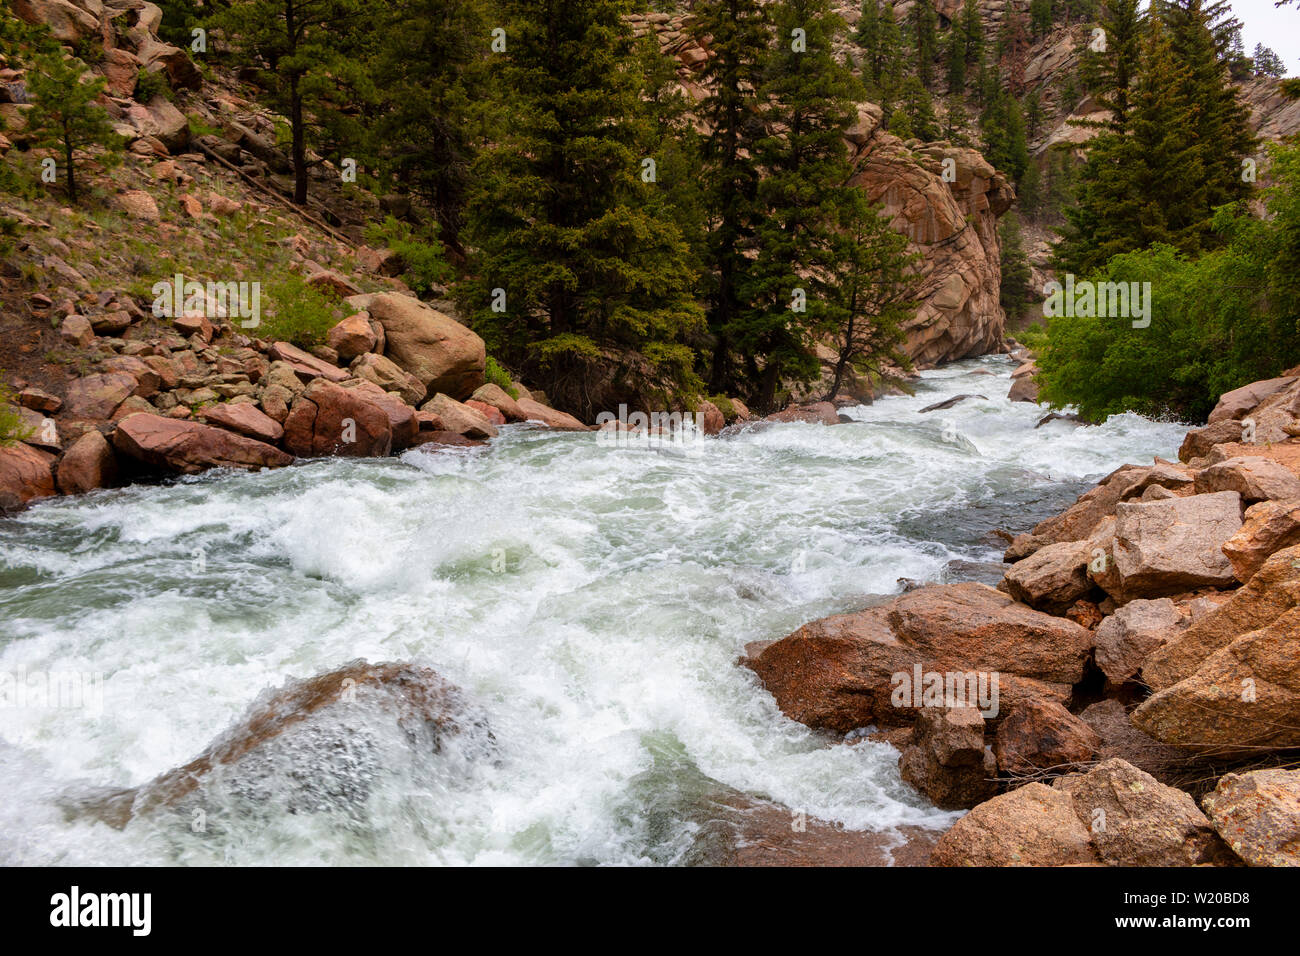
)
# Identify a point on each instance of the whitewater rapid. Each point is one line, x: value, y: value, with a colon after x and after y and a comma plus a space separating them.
x: 590, y: 601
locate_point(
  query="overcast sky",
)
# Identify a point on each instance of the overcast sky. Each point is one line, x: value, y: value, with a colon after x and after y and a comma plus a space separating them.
x: 1275, y: 27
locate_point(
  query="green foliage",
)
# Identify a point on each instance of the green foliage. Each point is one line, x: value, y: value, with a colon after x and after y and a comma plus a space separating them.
x: 150, y: 85
x: 11, y: 422
x: 297, y: 313
x: 498, y: 376
x: 424, y: 263
x: 562, y: 219
x: 1014, y: 293
x: 916, y: 104
x: 65, y: 116
x: 923, y: 25
x: 1219, y: 321
x: 1004, y: 136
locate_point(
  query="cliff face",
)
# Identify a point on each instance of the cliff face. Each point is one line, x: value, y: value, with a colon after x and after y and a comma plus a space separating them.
x: 946, y: 200
x: 951, y: 222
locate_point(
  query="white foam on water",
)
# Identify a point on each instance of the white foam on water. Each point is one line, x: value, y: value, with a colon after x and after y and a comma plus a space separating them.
x: 591, y: 601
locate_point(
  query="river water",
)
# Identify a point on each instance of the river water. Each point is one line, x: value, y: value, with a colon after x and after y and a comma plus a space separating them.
x: 590, y: 601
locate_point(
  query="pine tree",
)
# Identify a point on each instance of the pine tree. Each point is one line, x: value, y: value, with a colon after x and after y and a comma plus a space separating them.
x: 924, y: 25
x: 972, y: 28
x: 65, y: 115
x: 916, y: 104
x: 1040, y: 17
x: 871, y: 285
x: 732, y: 110
x: 1004, y: 136
x: 430, y: 70
x: 308, y: 48
x: 576, y: 274
x: 1014, y: 292
x: 1219, y: 127
x: 810, y: 101
x: 1111, y: 72
x: 956, y: 58
x: 880, y: 40
x: 1266, y: 62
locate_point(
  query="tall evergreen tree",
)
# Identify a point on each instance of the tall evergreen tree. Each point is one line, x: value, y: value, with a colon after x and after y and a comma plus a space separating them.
x: 563, y: 219
x: 732, y: 110
x: 810, y: 99
x: 430, y: 71
x: 308, y: 49
x: 916, y: 105
x: 924, y: 25
x: 1004, y: 136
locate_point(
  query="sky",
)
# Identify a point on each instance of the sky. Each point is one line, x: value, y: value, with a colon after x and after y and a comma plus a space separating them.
x: 1275, y: 27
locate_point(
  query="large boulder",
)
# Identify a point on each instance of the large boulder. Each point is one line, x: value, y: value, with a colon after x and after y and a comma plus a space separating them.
x: 352, y: 337
x: 401, y: 416
x: 443, y: 354
x: 1052, y: 578
x: 1198, y: 442
x: 850, y: 670
x: 1255, y: 479
x: 68, y: 23
x: 818, y: 413
x: 318, y: 744
x: 95, y: 397
x: 1135, y: 820
x: 188, y: 447
x: 1042, y: 735
x: 459, y: 418
x: 1269, y: 526
x: 498, y: 398
x: 87, y: 465
x: 1079, y: 521
x: 1172, y: 546
x: 327, y: 419
x: 26, y: 473
x: 1273, y: 590
x: 1238, y: 403
x: 389, y: 377
x: 1243, y: 698
x: 1033, y: 825
x: 306, y: 367
x: 1258, y: 815
x: 245, y: 419
x: 534, y: 411
x: 1128, y: 637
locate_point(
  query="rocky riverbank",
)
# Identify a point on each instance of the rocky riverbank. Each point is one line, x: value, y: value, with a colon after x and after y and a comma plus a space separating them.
x: 1144, y: 646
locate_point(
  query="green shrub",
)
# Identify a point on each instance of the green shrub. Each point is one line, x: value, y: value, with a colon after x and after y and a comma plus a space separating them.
x: 11, y: 422
x: 498, y: 376
x: 295, y: 312
x: 724, y: 405
x: 423, y: 259
x: 149, y: 85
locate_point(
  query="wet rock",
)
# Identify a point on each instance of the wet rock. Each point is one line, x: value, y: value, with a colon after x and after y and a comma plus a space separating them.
x: 401, y: 416
x: 327, y: 419
x: 88, y: 464
x: 535, y: 411
x: 499, y: 399
x: 26, y: 474
x: 1258, y: 815
x: 188, y: 447
x: 490, y: 412
x: 949, y: 403
x: 818, y: 413
x: 460, y: 418
x: 946, y: 758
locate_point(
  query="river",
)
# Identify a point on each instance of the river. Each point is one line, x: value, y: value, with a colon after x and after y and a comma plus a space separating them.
x: 591, y: 602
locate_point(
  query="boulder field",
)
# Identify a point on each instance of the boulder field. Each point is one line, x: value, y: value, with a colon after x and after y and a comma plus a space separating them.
x: 1129, y: 693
